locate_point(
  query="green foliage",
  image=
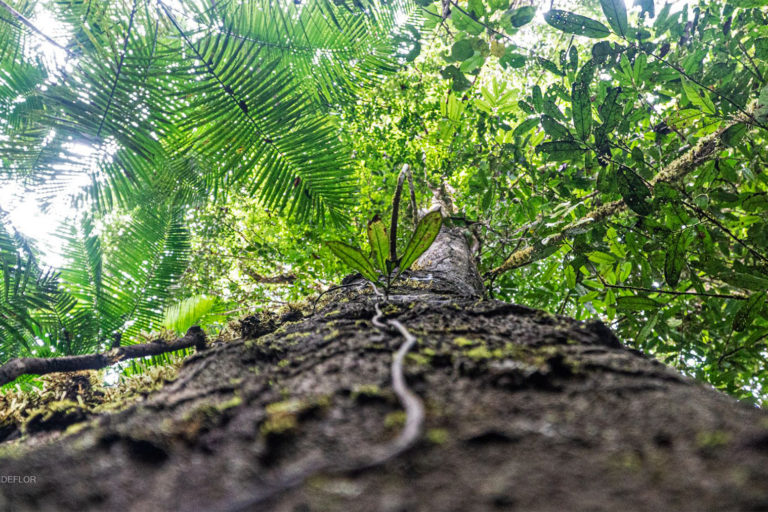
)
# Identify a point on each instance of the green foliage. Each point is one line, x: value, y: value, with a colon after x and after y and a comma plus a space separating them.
x: 576, y: 24
x: 196, y: 310
x: 166, y: 108
x: 425, y: 233
x: 421, y: 240
x: 222, y: 116
x: 616, y: 13
x: 355, y: 258
x: 538, y: 142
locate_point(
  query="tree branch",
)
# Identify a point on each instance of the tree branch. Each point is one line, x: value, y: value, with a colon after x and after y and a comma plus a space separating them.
x: 195, y: 337
x: 706, y: 149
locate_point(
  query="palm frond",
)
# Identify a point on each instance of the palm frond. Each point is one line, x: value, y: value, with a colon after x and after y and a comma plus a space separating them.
x: 25, y: 290
x: 245, y: 85
x: 195, y: 310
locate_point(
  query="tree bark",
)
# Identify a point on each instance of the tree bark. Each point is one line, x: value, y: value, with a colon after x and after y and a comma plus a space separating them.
x: 524, y: 411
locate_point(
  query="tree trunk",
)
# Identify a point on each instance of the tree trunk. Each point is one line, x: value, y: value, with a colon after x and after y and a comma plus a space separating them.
x: 523, y: 411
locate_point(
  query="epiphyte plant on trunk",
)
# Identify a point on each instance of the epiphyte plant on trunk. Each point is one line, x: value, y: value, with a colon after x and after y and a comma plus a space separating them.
x: 386, y: 264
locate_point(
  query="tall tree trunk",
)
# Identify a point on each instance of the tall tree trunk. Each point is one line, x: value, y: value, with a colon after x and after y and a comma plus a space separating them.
x: 523, y: 411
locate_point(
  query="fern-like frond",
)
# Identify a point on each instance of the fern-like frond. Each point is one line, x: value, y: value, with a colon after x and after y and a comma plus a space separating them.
x: 196, y: 310
x: 25, y: 290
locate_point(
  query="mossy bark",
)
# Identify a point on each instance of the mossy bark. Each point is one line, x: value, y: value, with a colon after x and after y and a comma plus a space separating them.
x: 524, y: 411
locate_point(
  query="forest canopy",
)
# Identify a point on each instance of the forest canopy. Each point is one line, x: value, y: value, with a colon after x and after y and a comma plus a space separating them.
x: 604, y: 158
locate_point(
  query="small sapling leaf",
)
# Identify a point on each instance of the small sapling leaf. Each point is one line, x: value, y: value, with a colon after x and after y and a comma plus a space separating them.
x: 377, y: 237
x: 355, y: 258
x: 422, y: 239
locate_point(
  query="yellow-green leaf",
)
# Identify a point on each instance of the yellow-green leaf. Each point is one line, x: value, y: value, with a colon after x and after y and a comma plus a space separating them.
x: 355, y: 258
x: 377, y: 237
x: 423, y: 236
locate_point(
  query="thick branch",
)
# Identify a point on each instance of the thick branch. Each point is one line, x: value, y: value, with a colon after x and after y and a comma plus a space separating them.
x: 15, y: 368
x: 706, y: 149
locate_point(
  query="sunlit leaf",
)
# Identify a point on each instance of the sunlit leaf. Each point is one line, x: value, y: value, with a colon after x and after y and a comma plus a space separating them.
x: 616, y: 13
x: 354, y: 257
x: 377, y: 237
x: 576, y: 24
x: 423, y: 236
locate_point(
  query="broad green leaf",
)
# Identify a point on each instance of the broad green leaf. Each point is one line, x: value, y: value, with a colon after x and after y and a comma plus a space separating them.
x: 634, y: 191
x: 698, y: 97
x: 748, y: 311
x: 473, y: 63
x: 674, y: 260
x: 459, y: 81
x: 744, y: 281
x: 525, y: 107
x: 616, y: 13
x: 549, y: 66
x: 526, y: 126
x: 538, y: 99
x: 477, y: 8
x: 761, y: 48
x: 611, y: 109
x: 353, y: 257
x: 512, y: 59
x: 748, y: 4
x: 603, y: 49
x: 576, y: 24
x: 573, y: 58
x: 646, y: 7
x: 637, y: 303
x: 570, y: 277
x: 733, y: 135
x: 550, y: 108
x: 465, y: 23
x: 581, y: 103
x: 601, y: 258
x: 561, y: 150
x: 520, y: 16
x: 462, y: 50
x: 554, y: 129
x: 646, y: 330
x: 377, y: 237
x: 425, y: 233
x: 761, y: 110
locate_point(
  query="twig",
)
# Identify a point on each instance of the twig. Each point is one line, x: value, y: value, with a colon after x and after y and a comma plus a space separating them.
x: 672, y: 292
x: 680, y: 70
x: 195, y: 337
x: 705, y: 149
x: 717, y: 223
